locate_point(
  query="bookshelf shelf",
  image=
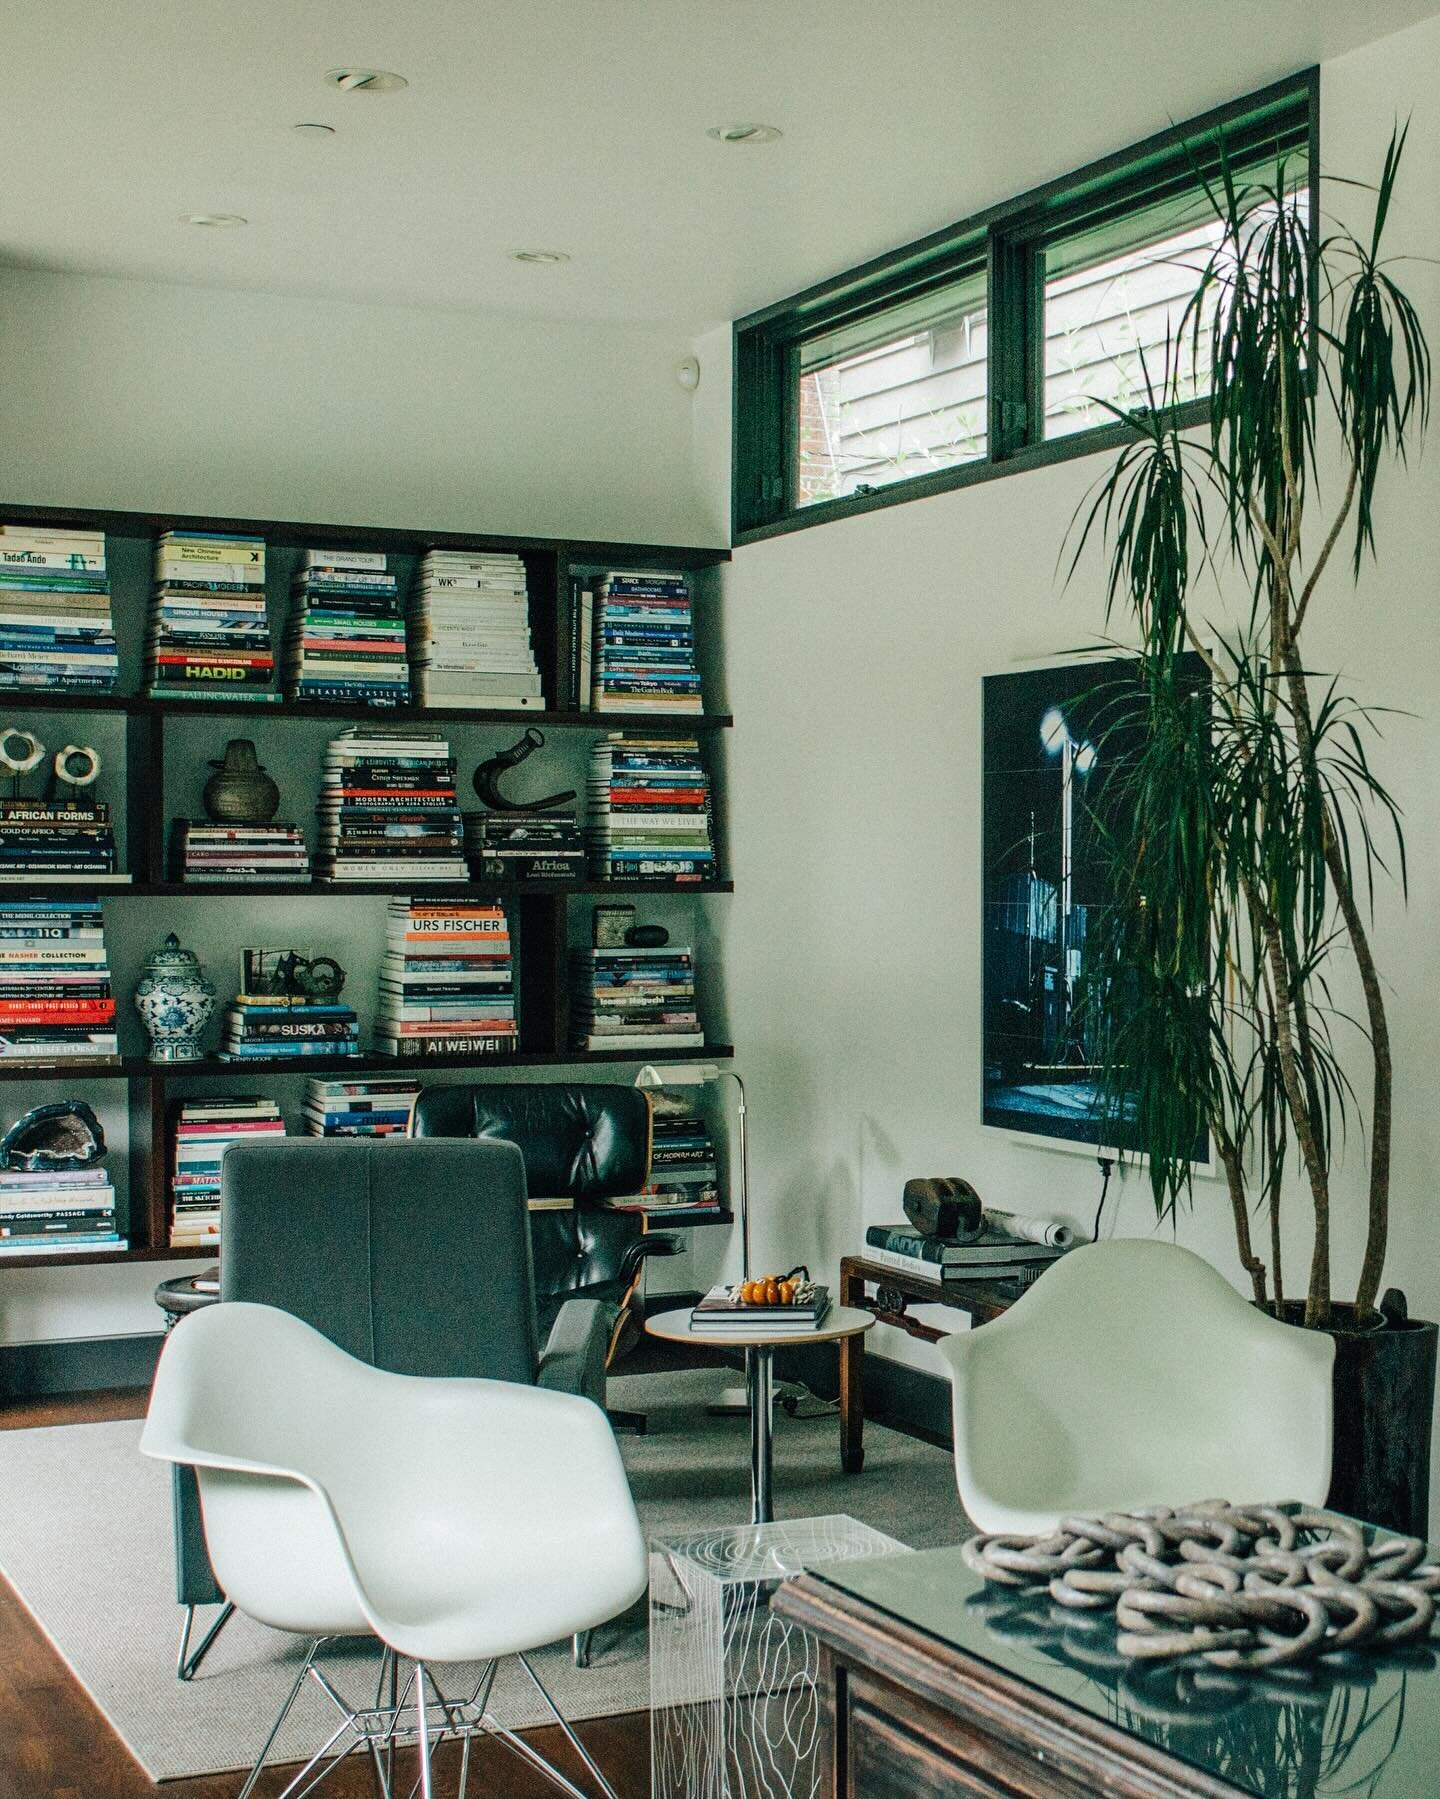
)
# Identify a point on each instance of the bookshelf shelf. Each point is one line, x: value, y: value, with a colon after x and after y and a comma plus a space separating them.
x: 163, y: 737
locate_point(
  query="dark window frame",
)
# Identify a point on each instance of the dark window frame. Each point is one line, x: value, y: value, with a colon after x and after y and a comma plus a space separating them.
x: 1008, y: 240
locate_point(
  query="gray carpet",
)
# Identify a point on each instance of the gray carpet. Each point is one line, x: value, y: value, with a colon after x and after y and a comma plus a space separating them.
x: 85, y: 1540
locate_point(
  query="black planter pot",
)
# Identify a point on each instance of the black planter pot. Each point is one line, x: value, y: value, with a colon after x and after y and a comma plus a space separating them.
x: 1384, y: 1407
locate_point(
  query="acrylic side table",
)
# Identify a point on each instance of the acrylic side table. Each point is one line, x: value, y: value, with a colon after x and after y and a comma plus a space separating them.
x: 733, y: 1698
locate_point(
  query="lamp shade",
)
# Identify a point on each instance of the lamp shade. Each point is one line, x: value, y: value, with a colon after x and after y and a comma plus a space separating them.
x: 678, y: 1074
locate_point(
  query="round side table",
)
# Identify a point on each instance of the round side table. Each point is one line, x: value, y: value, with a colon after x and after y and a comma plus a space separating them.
x: 177, y: 1298
x: 839, y: 1322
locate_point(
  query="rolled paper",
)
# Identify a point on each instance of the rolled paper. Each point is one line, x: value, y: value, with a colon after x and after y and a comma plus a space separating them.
x: 1047, y: 1231
x: 20, y: 751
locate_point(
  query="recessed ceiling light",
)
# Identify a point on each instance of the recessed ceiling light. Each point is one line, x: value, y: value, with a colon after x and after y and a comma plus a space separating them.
x: 542, y: 256
x: 745, y: 134
x: 313, y: 128
x: 366, y: 81
x: 215, y: 221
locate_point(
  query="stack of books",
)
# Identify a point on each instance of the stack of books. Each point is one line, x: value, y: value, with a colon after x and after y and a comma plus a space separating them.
x: 346, y: 640
x: 447, y: 980
x: 369, y: 1108
x: 204, y: 1130
x: 724, y: 1313
x: 57, y: 840
x: 683, y: 1172
x: 388, y: 808
x: 525, y: 846
x: 209, y: 631
x: 55, y: 624
x: 635, y: 999
x: 56, y: 1002
x: 273, y: 1026
x: 649, y: 810
x: 209, y: 852
x: 469, y: 633
x: 642, y: 656
x: 60, y: 1211
x: 994, y: 1255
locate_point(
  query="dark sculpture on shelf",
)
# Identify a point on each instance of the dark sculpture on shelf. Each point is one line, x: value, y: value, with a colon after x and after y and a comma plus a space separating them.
x: 317, y: 978
x: 64, y: 1134
x: 943, y: 1206
x: 240, y: 792
x: 75, y: 766
x: 488, y: 774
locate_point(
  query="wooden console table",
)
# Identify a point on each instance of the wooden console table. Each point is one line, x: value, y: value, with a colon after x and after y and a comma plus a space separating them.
x: 894, y: 1292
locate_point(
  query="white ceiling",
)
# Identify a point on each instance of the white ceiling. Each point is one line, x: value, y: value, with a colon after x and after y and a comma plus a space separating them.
x: 580, y: 125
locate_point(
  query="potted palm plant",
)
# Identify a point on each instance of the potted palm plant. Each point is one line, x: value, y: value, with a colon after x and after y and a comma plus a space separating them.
x: 1251, y: 828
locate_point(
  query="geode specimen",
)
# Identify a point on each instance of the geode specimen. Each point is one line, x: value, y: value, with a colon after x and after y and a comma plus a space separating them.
x: 66, y: 1134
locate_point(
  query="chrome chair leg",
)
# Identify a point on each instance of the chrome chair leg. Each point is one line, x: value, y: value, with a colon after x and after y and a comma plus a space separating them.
x: 186, y: 1664
x: 570, y: 1736
x: 422, y: 1726
x: 258, y: 1769
x: 582, y: 1641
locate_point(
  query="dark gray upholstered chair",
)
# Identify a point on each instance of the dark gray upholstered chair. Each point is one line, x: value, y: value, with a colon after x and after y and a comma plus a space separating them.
x: 413, y: 1256
x: 583, y: 1142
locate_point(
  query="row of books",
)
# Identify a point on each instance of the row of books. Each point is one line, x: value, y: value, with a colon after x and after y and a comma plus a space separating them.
x: 632, y: 636
x: 56, y: 1000
x: 62, y: 1211
x: 346, y: 638
x: 204, y: 1130
x: 56, y: 629
x: 993, y: 1255
x: 525, y: 846
x: 388, y: 808
x: 202, y: 852
x: 447, y: 980
x: 360, y: 1108
x: 650, y: 815
x: 468, y: 630
x: 640, y: 999
x: 209, y: 627
x: 58, y: 841
x: 277, y: 1028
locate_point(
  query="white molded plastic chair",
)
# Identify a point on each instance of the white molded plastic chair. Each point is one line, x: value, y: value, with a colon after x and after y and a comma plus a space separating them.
x: 455, y: 1520
x: 1132, y: 1373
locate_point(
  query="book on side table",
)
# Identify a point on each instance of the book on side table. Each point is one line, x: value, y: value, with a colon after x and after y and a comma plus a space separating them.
x: 723, y: 1311
x: 994, y: 1255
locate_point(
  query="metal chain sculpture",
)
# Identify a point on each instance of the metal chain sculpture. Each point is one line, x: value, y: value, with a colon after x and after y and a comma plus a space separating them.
x: 1243, y: 1587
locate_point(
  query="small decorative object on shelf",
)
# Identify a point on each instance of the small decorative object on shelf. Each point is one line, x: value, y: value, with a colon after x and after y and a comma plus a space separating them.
x: 209, y: 629
x: 447, y: 981
x: 388, y: 808
x: 54, y: 839
x: 56, y: 630
x: 240, y: 792
x: 610, y: 925
x: 469, y: 633
x: 943, y: 1205
x: 56, y: 1002
x: 638, y: 999
x: 649, y: 810
x: 646, y: 936
x: 487, y: 778
x: 1240, y: 1587
x: 360, y: 1108
x: 642, y: 656
x: 174, y: 998
x: 288, y: 1007
x: 55, y: 1197
x: 346, y: 639
x: 204, y: 1130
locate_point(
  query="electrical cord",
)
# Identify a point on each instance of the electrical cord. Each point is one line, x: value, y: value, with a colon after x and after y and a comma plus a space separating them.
x: 1106, y: 1165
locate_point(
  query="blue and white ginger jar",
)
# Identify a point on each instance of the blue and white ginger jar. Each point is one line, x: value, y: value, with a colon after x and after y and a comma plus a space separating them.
x: 174, y: 998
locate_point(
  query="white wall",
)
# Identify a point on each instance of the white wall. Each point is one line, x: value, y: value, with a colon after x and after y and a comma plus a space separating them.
x: 853, y: 961
x: 134, y: 394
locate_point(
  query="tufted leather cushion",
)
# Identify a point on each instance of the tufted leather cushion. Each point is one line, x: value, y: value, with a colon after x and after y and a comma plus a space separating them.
x: 585, y: 1143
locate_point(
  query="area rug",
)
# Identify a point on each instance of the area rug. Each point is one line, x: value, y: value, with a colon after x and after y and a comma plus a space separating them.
x: 85, y: 1541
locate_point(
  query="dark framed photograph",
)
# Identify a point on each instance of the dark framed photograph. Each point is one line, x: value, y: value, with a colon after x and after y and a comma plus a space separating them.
x: 1055, y: 743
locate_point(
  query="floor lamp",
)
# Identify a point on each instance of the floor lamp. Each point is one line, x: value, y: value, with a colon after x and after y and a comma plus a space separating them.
x: 705, y: 1074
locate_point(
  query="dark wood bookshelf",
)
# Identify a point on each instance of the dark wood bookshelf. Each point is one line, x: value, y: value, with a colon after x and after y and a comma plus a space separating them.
x: 541, y: 909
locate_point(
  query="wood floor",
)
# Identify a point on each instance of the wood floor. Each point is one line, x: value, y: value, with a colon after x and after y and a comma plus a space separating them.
x: 54, y: 1743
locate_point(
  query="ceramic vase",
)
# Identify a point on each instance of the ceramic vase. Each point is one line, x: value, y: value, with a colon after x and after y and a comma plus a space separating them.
x: 174, y: 999
x: 240, y: 792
